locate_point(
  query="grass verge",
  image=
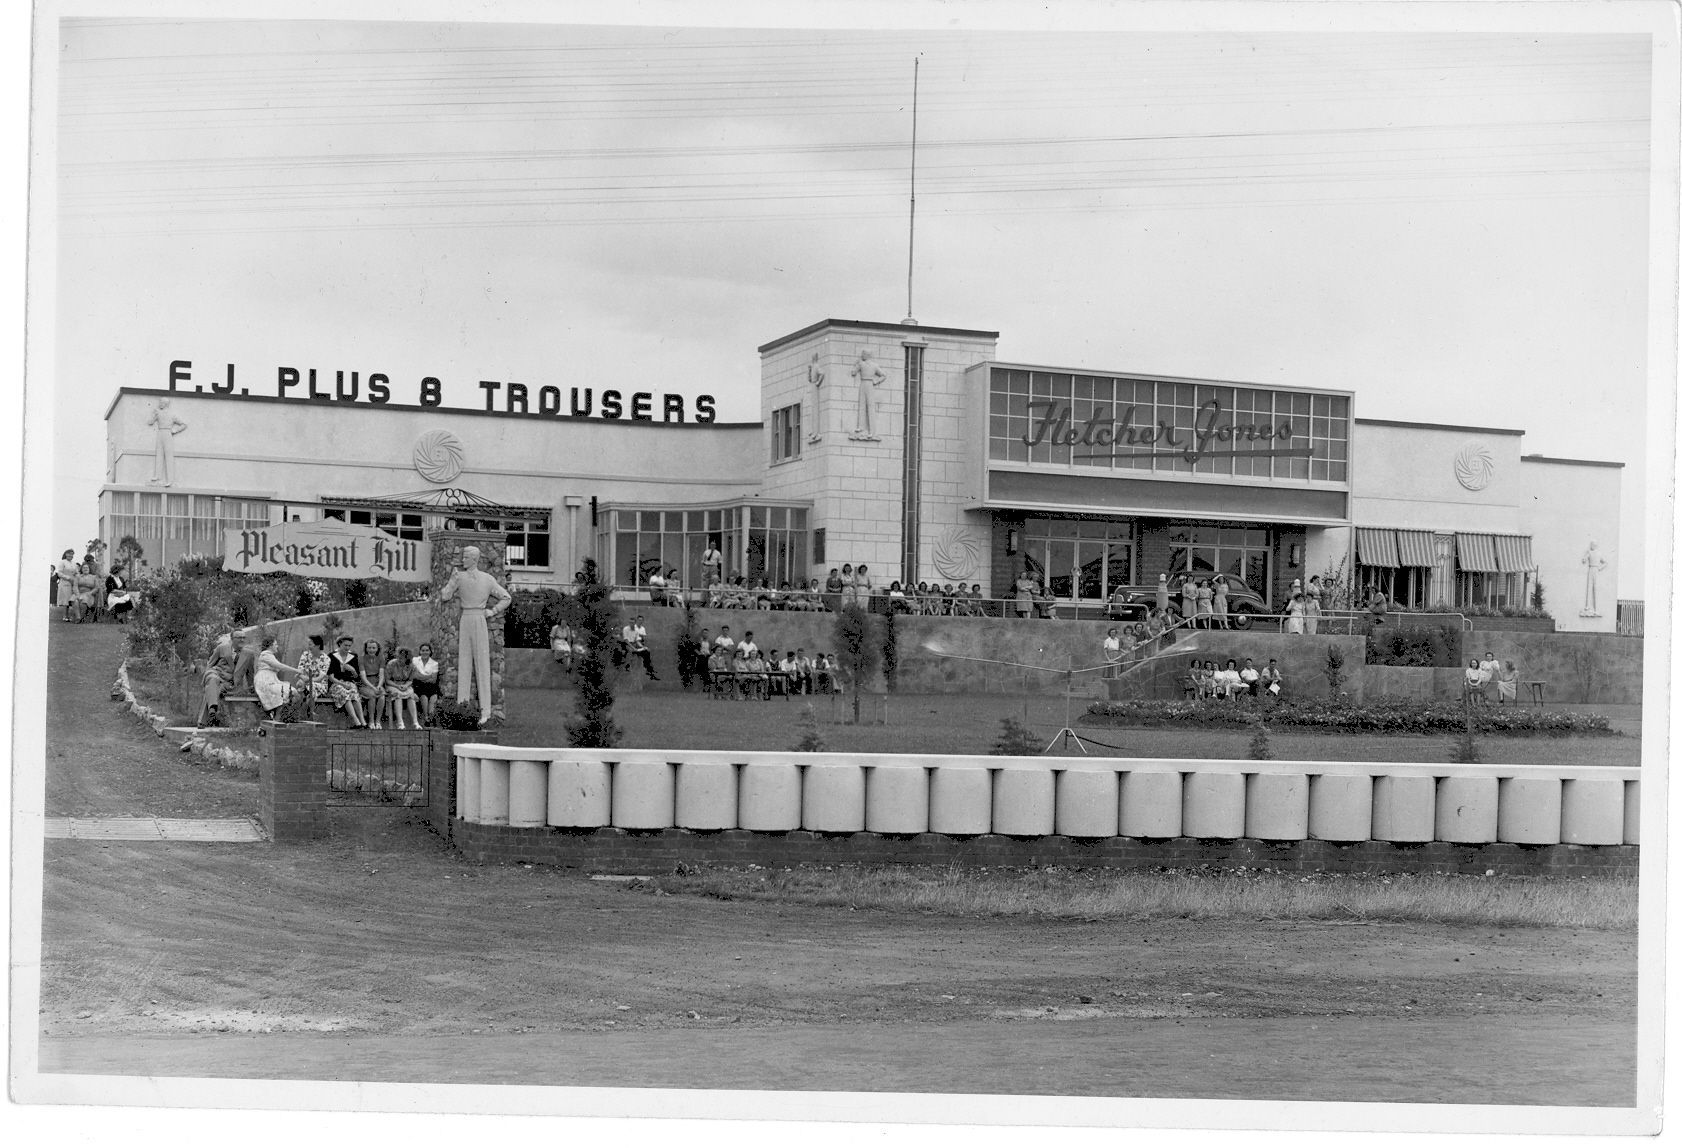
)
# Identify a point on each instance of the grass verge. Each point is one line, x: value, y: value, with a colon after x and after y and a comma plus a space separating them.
x: 1202, y: 894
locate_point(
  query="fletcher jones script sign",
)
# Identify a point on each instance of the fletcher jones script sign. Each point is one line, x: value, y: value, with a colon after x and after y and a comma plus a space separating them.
x: 326, y: 550
x: 1213, y: 432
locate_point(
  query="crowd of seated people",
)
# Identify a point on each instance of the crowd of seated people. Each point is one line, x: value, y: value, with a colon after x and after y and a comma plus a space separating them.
x: 741, y: 670
x: 1206, y: 679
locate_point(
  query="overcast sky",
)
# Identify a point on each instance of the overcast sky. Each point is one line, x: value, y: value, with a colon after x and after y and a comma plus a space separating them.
x: 1454, y: 227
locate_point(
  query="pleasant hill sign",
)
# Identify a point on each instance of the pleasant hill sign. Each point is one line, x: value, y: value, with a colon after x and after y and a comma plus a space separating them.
x: 326, y: 550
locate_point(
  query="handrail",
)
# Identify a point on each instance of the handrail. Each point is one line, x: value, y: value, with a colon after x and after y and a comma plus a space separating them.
x: 878, y: 602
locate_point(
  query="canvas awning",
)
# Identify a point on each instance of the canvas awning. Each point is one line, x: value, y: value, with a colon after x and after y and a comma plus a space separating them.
x: 1375, y: 547
x: 1475, y: 553
x: 1415, y: 548
x: 1512, y: 553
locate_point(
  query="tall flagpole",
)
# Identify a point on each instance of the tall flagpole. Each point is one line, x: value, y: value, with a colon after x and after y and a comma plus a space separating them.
x: 911, y: 243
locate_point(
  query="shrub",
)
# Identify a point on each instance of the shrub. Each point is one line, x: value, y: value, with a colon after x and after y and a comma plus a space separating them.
x: 1016, y: 740
x: 452, y: 714
x: 690, y: 656
x: 1465, y: 751
x: 811, y: 741
x: 597, y: 627
x: 1381, y: 715
x: 357, y: 594
x: 1334, y: 668
x: 1260, y: 748
x: 890, y: 650
x: 856, y: 648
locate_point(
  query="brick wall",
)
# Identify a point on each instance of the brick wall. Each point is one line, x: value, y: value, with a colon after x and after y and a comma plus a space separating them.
x: 658, y: 851
x: 292, y: 790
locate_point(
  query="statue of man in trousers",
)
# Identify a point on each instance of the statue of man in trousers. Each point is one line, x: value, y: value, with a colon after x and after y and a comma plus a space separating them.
x: 482, y: 598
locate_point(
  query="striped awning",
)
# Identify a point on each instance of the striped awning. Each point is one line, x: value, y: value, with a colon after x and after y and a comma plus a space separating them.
x: 1375, y: 547
x: 1512, y: 553
x: 1476, y: 553
x: 1415, y: 548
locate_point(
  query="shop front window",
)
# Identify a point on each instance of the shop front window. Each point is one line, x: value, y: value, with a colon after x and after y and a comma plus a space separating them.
x: 1241, y: 552
x: 1079, y: 560
x: 760, y: 541
x: 1407, y: 587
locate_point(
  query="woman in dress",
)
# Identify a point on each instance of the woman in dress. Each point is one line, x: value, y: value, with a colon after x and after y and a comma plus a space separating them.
x: 861, y: 586
x: 423, y: 672
x: 87, y: 591
x: 372, y: 689
x: 897, y: 603
x: 1230, y: 681
x: 117, y: 598
x: 400, y: 687
x: 1474, y: 683
x: 849, y: 591
x: 1295, y: 612
x: 1311, y: 596
x: 272, y: 693
x: 1205, y: 604
x: 1506, y: 684
x: 344, y: 675
x: 1188, y: 599
x: 833, y: 589
x: 1219, y: 596
x: 312, y: 670
x: 67, y: 571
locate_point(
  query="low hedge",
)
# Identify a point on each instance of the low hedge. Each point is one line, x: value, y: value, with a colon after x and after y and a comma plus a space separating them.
x: 1382, y: 716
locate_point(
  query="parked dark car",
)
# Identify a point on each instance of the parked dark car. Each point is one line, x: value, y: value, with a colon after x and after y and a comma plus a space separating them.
x: 1242, y: 603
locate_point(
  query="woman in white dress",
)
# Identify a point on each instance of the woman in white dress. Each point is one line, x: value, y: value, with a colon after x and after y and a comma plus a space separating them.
x: 67, y: 574
x: 272, y: 693
x: 1311, y: 595
x: 1220, y: 601
x: 1295, y: 613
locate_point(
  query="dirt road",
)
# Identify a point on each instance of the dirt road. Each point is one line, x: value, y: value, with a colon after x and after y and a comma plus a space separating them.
x: 380, y: 956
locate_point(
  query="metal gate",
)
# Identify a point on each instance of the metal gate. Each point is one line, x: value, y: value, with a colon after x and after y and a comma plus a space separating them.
x: 378, y: 768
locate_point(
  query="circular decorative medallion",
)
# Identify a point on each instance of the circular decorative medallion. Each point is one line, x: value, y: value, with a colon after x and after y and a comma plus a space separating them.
x: 438, y: 456
x: 957, y: 554
x: 1474, y: 466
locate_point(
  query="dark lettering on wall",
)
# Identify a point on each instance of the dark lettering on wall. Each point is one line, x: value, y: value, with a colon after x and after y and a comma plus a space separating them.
x: 339, y: 391
x: 580, y: 411
x: 286, y: 379
x: 672, y: 405
x: 314, y: 394
x: 431, y: 392
x: 549, y: 401
x: 704, y: 412
x: 490, y: 387
x: 379, y: 388
x: 612, y: 407
x: 228, y: 387
x: 640, y: 406
x: 180, y: 371
x: 517, y: 398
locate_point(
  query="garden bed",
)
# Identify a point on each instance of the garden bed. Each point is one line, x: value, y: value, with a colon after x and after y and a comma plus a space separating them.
x: 1385, y: 716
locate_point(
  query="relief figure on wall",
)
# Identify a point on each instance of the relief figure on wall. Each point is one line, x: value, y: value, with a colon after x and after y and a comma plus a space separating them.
x: 870, y: 375
x: 163, y: 449
x: 1593, y: 564
x: 815, y: 376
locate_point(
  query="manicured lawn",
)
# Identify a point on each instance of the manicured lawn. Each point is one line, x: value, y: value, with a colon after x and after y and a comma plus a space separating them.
x: 969, y: 724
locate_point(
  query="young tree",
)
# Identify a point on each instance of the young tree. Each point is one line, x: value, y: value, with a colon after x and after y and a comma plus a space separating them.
x: 595, y: 623
x: 858, y: 648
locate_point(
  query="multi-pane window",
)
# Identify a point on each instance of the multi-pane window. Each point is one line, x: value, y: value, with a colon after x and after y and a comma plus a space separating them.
x: 170, y: 526
x: 1079, y: 559
x: 1241, y: 552
x: 785, y: 433
x: 411, y: 526
x: 759, y: 541
x: 1166, y: 427
x: 1407, y: 587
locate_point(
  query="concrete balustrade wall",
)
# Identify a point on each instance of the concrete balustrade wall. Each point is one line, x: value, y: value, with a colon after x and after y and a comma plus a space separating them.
x: 1028, y: 800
